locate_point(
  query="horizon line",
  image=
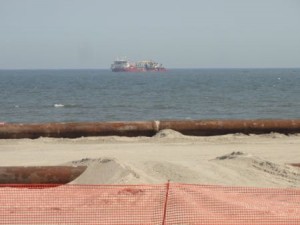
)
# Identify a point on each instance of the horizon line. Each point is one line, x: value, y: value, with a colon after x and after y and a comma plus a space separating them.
x: 171, y: 68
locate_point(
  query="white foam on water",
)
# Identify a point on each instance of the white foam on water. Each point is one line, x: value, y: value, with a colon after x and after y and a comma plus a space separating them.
x: 58, y: 105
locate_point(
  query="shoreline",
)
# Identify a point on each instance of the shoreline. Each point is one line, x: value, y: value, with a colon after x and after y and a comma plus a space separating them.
x: 148, y: 128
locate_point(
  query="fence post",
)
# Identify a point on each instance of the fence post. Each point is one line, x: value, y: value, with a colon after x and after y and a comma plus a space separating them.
x: 166, y: 203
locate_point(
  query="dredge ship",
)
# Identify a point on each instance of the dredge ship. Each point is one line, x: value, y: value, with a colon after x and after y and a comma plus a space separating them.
x: 140, y: 66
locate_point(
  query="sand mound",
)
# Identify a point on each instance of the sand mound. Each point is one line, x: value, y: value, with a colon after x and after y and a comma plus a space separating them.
x: 104, y: 171
x: 262, y: 169
x: 233, y: 168
x: 168, y: 133
x: 110, y: 171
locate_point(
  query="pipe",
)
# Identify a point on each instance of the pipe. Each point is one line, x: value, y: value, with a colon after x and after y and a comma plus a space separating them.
x: 40, y: 174
x: 75, y: 130
x: 295, y: 164
x: 221, y: 127
x: 147, y: 128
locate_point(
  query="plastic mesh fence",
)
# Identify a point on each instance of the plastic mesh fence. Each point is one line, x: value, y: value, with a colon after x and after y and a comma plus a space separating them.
x: 167, y: 204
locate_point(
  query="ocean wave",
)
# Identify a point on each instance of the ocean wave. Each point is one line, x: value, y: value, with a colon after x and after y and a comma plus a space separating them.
x: 58, y: 105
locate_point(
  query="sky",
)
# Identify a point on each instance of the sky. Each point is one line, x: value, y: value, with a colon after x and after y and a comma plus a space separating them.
x: 54, y: 34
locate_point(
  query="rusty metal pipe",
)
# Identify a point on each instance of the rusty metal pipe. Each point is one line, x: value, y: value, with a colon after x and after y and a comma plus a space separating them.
x: 295, y: 164
x: 40, y: 174
x: 75, y: 130
x: 148, y: 128
x: 221, y: 127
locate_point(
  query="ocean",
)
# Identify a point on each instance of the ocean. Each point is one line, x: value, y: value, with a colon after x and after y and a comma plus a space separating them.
x: 35, y: 96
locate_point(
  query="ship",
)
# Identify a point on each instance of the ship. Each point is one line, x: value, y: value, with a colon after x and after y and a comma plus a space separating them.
x: 122, y: 65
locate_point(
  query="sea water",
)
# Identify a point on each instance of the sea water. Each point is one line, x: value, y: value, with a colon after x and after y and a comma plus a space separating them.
x: 30, y: 96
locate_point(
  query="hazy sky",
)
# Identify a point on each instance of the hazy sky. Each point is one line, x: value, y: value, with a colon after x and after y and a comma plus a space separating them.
x: 177, y: 33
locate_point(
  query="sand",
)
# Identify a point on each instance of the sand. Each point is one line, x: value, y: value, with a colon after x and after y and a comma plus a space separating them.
x: 231, y: 160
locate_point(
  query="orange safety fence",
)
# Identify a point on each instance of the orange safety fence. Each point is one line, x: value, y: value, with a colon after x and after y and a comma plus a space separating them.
x: 166, y: 204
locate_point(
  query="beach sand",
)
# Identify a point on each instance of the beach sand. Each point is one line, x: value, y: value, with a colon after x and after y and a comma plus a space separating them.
x: 231, y: 160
